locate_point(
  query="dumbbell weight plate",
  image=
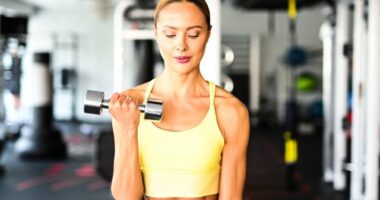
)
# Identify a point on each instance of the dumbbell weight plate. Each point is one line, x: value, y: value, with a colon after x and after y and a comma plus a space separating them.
x: 153, y: 109
x: 94, y: 102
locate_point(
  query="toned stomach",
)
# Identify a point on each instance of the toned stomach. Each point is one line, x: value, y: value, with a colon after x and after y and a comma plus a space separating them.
x: 210, y: 197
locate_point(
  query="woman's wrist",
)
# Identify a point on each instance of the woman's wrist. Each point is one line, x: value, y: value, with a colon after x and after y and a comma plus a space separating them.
x: 127, y: 141
x: 129, y: 130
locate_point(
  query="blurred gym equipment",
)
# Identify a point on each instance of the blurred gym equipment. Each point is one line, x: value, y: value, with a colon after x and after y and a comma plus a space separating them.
x: 295, y: 56
x: 40, y: 139
x: 306, y: 82
x: 95, y: 102
x: 291, y: 119
x: 241, y: 66
x: 228, y: 57
x: 139, y: 33
x: 327, y: 36
x: 104, y: 153
x: 13, y: 30
x: 65, y: 75
x: 271, y: 4
x: 366, y: 143
x: 5, y: 136
x: 341, y: 87
x: 352, y: 94
x: 357, y: 101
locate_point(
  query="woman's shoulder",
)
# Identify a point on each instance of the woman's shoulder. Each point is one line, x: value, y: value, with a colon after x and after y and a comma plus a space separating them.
x: 225, y: 101
x: 238, y: 113
x: 137, y: 91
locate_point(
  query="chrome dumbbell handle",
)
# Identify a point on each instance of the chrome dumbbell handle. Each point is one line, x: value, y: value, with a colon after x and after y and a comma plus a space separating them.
x: 153, y: 110
x: 95, y: 102
x: 106, y: 104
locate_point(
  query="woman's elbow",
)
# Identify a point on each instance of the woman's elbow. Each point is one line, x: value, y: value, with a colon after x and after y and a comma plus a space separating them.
x: 115, y: 192
x: 123, y: 194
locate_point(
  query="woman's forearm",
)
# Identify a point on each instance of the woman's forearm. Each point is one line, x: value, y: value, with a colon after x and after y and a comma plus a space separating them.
x: 127, y: 179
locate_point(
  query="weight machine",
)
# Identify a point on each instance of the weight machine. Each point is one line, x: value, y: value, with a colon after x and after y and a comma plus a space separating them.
x: 365, y: 163
x: 361, y: 159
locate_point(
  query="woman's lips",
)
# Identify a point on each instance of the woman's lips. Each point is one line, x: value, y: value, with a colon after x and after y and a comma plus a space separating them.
x: 182, y: 59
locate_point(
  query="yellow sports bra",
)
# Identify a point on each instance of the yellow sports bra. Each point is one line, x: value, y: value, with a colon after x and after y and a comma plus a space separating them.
x: 181, y: 164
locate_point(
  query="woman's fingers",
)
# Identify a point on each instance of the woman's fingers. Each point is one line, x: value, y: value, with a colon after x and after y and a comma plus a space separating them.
x: 119, y: 100
x: 124, y: 109
x: 121, y: 104
x: 114, y: 98
x: 134, y: 102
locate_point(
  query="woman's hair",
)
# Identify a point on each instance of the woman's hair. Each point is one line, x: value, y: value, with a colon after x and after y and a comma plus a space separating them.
x: 201, y: 4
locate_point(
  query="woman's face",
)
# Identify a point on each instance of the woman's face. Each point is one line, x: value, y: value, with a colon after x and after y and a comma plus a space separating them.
x: 181, y: 33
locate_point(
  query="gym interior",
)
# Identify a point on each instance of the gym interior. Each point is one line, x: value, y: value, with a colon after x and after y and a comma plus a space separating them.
x: 306, y: 70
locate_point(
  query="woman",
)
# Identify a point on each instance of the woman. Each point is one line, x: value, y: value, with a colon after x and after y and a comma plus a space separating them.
x: 198, y: 150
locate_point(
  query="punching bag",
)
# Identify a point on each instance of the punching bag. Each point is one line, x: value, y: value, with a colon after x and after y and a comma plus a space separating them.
x: 39, y: 138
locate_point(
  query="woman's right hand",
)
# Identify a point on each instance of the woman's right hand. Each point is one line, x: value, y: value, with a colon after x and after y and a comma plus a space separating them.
x: 126, y: 179
x: 124, y: 109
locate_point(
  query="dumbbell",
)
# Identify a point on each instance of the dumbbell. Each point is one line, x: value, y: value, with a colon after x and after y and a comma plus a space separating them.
x: 95, y: 102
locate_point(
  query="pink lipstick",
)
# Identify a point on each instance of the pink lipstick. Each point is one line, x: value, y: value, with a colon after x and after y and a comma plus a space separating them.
x: 182, y: 59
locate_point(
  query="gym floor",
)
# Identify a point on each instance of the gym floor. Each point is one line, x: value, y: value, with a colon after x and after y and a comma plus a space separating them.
x: 76, y: 178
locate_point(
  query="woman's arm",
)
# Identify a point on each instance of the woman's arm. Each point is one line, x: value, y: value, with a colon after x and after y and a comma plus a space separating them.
x: 236, y: 129
x: 127, y: 179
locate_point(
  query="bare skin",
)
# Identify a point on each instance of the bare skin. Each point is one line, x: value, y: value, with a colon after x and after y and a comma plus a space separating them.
x: 211, y: 197
x: 181, y: 31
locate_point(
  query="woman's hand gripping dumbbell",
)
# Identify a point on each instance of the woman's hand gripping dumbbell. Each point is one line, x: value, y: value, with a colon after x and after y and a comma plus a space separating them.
x: 95, y: 102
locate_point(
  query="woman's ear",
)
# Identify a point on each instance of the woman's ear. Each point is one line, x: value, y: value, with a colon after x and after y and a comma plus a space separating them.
x: 155, y: 31
x: 209, y: 33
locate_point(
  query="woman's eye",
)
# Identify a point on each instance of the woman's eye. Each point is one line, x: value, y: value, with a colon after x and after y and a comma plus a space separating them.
x: 170, y: 35
x: 193, y: 36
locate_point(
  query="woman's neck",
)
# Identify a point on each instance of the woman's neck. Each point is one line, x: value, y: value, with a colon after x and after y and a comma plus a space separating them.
x: 181, y: 85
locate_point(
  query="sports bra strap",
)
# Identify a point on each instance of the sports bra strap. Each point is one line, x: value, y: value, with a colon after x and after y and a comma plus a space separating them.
x: 212, y: 93
x: 148, y: 90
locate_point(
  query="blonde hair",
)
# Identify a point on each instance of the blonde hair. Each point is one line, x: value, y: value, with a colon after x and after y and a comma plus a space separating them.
x: 201, y: 4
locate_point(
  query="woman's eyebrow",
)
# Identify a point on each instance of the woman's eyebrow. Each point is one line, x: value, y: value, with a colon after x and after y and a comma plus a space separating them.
x: 188, y: 28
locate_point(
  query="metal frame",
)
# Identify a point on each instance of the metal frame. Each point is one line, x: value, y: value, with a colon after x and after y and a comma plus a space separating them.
x: 341, y: 90
x: 373, y: 102
x: 366, y: 105
x: 254, y: 73
x: 327, y: 35
x: 118, y: 43
x: 358, y: 102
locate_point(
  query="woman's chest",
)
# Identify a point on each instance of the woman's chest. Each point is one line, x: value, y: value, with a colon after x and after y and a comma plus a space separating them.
x: 197, y: 149
x: 180, y: 116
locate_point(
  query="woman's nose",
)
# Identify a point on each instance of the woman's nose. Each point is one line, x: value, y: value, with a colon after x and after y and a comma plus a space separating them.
x: 181, y: 44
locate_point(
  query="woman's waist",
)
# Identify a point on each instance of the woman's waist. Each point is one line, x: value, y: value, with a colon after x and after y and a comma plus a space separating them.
x: 209, y: 197
x: 174, y: 172
x: 186, y: 184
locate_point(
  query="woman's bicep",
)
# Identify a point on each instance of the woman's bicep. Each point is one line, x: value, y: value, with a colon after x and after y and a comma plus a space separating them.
x: 234, y: 155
